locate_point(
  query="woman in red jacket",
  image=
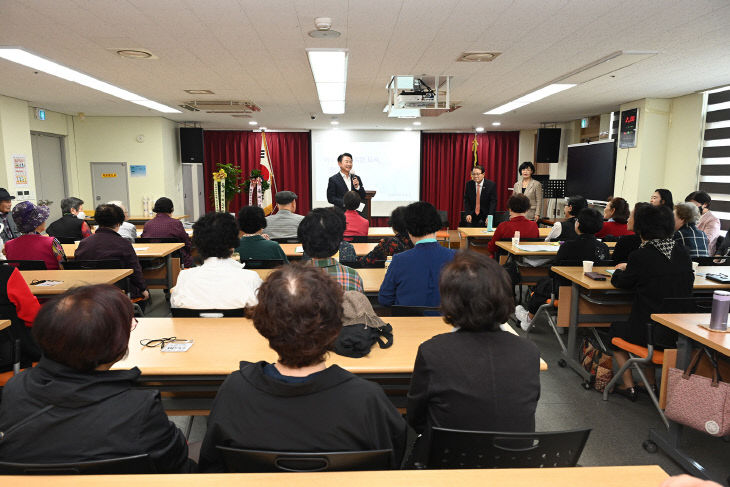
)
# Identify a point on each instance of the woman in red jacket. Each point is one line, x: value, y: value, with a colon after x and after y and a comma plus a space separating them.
x: 616, y: 215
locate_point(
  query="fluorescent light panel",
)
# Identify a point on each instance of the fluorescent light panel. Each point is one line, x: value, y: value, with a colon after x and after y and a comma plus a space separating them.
x: 329, y: 69
x: 530, y: 98
x: 38, y: 63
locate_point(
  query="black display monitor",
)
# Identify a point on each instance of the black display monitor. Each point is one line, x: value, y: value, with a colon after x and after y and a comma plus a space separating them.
x: 591, y: 170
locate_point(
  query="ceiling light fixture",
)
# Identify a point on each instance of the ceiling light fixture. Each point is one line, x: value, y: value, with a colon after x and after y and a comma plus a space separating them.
x: 408, y: 129
x: 479, y: 129
x: 253, y: 122
x: 496, y: 124
x: 530, y: 98
x: 334, y: 122
x: 329, y: 69
x: 417, y: 124
x: 135, y: 54
x: 38, y: 63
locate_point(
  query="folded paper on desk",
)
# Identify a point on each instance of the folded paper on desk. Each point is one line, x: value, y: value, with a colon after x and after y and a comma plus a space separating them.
x: 141, y: 248
x: 178, y: 346
x: 47, y: 283
x: 539, y: 248
x: 299, y: 249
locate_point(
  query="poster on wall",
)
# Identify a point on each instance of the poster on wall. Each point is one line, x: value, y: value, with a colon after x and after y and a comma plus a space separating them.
x: 21, y: 170
x: 137, y: 171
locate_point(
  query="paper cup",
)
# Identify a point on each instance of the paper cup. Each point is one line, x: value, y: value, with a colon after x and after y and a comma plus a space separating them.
x: 587, y: 266
x: 695, y: 265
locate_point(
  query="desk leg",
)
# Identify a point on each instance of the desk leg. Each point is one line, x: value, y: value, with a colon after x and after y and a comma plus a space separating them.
x: 669, y: 441
x: 569, y: 354
x: 168, y: 270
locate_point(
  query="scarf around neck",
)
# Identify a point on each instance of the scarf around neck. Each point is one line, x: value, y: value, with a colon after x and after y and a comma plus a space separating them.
x: 663, y: 245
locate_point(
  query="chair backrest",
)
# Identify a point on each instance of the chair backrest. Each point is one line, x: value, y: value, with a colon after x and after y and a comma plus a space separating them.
x: 26, y: 265
x: 484, y: 449
x: 712, y: 260
x: 499, y: 217
x: 262, y: 263
x: 66, y: 240
x: 207, y: 313
x: 282, y: 240
x: 356, y: 264
x: 356, y: 238
x: 92, y: 264
x: 397, y: 310
x: 240, y: 460
x: 157, y: 240
x: 136, y: 464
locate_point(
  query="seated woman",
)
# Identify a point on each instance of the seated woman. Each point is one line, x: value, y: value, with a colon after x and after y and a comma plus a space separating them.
x: 503, y: 395
x: 252, y: 221
x: 163, y: 225
x: 71, y: 407
x: 662, y: 197
x: 708, y: 222
x: 18, y: 305
x: 660, y: 268
x: 616, y: 215
x: 221, y: 282
x: 126, y: 230
x: 628, y: 243
x: 687, y: 233
x: 106, y: 243
x: 584, y: 247
x: 518, y: 205
x: 390, y: 245
x: 565, y: 230
x: 298, y: 404
x: 356, y: 226
x: 31, y: 221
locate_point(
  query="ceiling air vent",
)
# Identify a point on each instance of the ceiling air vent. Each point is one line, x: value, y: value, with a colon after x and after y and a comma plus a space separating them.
x: 477, y: 56
x: 225, y: 106
x: 189, y: 108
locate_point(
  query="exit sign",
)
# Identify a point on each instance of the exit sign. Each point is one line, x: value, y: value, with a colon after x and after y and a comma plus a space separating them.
x: 40, y: 114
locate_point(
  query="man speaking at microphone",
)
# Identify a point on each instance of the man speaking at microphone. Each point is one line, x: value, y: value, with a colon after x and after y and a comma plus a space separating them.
x: 344, y: 181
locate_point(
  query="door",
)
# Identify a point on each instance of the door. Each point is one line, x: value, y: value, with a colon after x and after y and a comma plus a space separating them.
x: 109, y: 182
x: 49, y: 171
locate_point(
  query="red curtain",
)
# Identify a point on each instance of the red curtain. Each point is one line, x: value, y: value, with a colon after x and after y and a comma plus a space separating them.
x: 446, y: 162
x: 288, y: 153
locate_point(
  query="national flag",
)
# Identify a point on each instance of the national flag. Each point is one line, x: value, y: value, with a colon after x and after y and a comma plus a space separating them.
x: 267, y: 174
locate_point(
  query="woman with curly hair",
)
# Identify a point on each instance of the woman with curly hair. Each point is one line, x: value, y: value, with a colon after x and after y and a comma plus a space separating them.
x: 298, y: 403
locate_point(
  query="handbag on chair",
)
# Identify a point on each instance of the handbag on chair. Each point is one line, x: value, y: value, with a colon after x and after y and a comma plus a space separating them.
x: 699, y: 402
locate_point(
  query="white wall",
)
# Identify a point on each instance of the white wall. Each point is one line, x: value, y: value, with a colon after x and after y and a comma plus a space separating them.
x: 684, y: 145
x: 15, y: 140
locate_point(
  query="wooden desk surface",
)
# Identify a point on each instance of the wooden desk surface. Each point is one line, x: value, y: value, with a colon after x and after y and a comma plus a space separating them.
x: 575, y: 274
x: 4, y: 324
x: 371, y: 278
x: 635, y: 476
x: 380, y: 232
x: 74, y: 278
x: 361, y: 248
x: 221, y: 343
x: 687, y: 324
x: 152, y: 250
x: 482, y: 232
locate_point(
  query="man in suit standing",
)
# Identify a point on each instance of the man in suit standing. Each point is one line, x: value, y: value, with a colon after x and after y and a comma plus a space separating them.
x: 480, y: 198
x: 344, y: 181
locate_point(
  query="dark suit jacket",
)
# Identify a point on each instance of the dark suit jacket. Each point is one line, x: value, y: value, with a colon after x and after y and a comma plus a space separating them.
x: 488, y: 199
x: 336, y: 189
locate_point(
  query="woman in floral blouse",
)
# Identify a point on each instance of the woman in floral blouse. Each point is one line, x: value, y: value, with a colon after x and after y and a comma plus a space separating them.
x: 390, y: 245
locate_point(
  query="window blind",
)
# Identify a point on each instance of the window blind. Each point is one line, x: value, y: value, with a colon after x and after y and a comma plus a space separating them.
x: 715, y: 165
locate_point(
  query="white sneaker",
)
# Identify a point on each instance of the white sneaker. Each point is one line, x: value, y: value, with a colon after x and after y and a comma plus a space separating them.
x: 521, y: 313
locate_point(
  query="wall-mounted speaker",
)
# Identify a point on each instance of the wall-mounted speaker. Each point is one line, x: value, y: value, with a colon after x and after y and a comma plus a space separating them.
x: 191, y: 145
x: 548, y: 145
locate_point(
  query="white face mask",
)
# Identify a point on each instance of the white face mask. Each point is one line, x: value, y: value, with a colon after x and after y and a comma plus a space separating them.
x: 81, y: 215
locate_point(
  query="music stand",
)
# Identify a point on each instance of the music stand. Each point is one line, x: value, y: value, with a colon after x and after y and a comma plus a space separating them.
x: 554, y: 188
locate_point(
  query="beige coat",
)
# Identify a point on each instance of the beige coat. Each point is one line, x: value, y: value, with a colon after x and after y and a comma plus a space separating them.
x: 534, y: 193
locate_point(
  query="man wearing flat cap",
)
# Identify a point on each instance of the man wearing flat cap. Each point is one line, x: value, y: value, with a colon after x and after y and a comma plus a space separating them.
x: 285, y: 222
x: 9, y: 230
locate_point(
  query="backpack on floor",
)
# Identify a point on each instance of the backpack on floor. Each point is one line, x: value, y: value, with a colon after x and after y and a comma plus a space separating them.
x: 597, y: 363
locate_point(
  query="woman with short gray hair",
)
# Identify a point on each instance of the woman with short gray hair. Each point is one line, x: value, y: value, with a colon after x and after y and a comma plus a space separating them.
x: 687, y: 233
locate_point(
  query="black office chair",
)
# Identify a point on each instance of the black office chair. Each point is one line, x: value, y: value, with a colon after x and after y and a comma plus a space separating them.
x: 262, y: 263
x: 141, y: 240
x: 26, y: 265
x: 499, y: 217
x: 484, y: 449
x: 92, y: 264
x: 397, y: 310
x: 136, y: 464
x: 292, y: 240
x: 66, y: 240
x: 207, y: 313
x: 240, y: 460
